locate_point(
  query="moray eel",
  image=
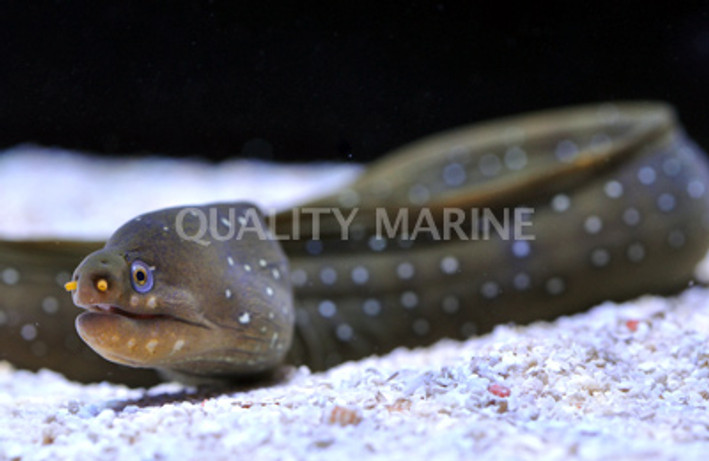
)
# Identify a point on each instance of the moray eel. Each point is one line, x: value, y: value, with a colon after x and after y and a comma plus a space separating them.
x: 515, y: 220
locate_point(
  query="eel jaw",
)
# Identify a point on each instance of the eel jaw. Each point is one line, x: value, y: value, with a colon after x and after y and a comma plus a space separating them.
x: 137, y: 340
x: 192, y: 346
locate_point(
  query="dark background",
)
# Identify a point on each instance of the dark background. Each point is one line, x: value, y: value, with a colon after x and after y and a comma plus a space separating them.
x: 218, y: 79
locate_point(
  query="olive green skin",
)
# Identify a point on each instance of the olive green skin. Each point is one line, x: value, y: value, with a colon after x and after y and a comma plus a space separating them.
x: 619, y: 210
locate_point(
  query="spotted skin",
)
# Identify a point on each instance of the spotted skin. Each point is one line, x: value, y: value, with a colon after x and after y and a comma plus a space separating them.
x: 619, y: 208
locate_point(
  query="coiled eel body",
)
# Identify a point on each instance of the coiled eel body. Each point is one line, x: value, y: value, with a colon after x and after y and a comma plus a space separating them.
x: 515, y: 220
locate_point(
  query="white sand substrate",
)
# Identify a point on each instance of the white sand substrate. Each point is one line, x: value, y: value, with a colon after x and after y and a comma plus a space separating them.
x: 628, y: 381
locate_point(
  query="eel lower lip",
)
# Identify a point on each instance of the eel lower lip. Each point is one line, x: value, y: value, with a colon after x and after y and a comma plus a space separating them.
x: 134, y: 339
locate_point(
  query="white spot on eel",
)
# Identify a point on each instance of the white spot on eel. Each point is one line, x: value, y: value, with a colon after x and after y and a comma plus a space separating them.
x: 245, y: 318
x: 151, y: 345
x: 179, y: 344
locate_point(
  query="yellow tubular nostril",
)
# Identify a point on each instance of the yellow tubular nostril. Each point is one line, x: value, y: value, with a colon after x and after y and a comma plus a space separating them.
x: 70, y: 286
x: 101, y: 285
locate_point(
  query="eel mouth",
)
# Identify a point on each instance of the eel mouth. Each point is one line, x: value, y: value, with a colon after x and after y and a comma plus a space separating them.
x: 117, y: 310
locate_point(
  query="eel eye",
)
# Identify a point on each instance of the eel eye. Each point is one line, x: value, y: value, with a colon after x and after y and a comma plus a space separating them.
x: 141, y: 276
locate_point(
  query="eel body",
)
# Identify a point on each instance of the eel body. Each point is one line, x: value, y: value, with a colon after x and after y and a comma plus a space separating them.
x: 515, y: 220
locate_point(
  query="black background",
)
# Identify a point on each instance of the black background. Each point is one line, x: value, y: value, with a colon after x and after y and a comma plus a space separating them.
x: 335, y: 82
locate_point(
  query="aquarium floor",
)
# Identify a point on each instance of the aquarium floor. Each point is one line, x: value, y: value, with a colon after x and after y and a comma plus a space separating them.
x: 627, y: 381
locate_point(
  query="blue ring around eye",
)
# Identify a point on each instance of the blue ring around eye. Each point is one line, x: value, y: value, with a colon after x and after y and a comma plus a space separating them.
x: 141, y: 276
